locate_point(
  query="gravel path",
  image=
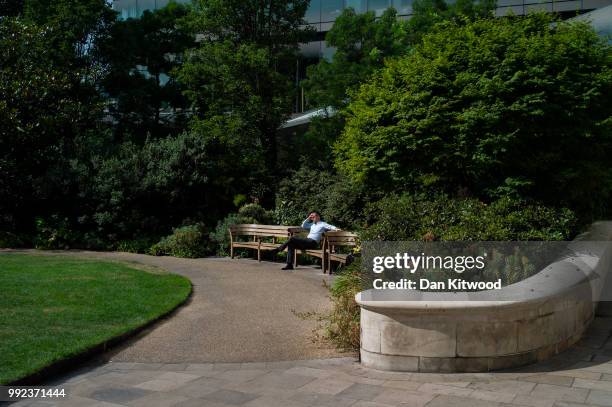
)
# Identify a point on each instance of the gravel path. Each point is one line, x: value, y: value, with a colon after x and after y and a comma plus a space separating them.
x: 240, y: 311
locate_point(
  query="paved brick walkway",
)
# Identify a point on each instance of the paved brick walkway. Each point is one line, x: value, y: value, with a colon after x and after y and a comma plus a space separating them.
x: 579, y: 377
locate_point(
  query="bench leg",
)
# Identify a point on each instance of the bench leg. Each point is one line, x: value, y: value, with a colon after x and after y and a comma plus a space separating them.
x: 295, y: 258
x: 324, y: 263
x: 232, y: 251
x: 258, y: 254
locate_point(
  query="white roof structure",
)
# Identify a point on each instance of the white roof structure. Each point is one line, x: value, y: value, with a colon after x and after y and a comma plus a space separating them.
x: 307, y: 117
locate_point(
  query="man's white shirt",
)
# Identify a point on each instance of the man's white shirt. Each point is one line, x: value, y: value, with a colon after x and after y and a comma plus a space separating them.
x: 316, y: 230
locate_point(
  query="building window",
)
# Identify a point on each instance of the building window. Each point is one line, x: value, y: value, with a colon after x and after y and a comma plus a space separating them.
x: 403, y: 7
x: 378, y: 6
x: 331, y: 9
x: 313, y: 14
x: 359, y: 6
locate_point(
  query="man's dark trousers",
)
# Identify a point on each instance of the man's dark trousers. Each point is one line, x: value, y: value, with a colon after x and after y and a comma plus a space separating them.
x: 297, y: 243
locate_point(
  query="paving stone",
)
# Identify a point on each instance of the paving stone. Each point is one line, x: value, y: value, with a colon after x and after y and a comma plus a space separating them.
x: 282, y: 381
x: 283, y: 365
x: 240, y: 375
x: 358, y: 379
x: 133, y: 366
x: 253, y: 365
x: 75, y: 401
x: 360, y: 391
x: 572, y: 404
x: 457, y: 384
x: 321, y: 400
x: 200, y: 366
x: 167, y: 381
x: 396, y: 396
x: 401, y: 384
x: 227, y: 366
x: 309, y: 371
x: 128, y: 377
x: 174, y: 367
x: 456, y: 401
x: 505, y: 386
x: 583, y: 374
x: 524, y: 400
x: 600, y: 397
x: 593, y: 384
x: 199, y: 388
x: 492, y: 396
x: 157, y: 400
x: 326, y: 386
x: 370, y: 404
x: 418, y: 401
x: 438, y: 388
x: 550, y: 379
x: 268, y: 401
x: 107, y: 404
x: 429, y: 378
x: 596, y: 367
x: 38, y: 403
x: 201, y: 403
x: 117, y: 394
x: 561, y: 393
x: 229, y: 397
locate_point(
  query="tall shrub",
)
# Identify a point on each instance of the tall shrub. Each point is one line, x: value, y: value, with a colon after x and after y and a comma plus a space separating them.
x: 496, y: 107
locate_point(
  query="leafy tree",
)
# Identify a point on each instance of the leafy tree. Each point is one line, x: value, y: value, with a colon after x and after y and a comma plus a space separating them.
x: 141, y: 54
x: 11, y: 8
x: 144, y: 190
x: 428, y: 13
x: 78, y: 27
x: 363, y: 42
x: 239, y: 79
x: 43, y: 119
x: 494, y: 107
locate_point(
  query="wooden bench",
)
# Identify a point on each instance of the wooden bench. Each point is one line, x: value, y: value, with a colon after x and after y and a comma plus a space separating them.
x: 255, y: 234
x: 332, y: 241
x: 328, y: 251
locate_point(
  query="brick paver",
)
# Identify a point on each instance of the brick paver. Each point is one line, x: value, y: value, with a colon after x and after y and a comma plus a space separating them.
x: 578, y: 377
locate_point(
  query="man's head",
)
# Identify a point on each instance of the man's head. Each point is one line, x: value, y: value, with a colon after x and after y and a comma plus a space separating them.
x: 314, y: 216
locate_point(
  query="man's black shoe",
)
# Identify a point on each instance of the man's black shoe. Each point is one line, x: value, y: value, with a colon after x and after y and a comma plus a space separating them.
x: 288, y: 267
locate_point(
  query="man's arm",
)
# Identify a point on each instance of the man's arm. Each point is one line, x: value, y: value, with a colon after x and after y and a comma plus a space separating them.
x: 330, y: 227
x: 307, y: 223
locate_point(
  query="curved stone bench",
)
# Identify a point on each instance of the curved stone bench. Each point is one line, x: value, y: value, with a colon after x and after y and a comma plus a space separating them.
x: 522, y: 323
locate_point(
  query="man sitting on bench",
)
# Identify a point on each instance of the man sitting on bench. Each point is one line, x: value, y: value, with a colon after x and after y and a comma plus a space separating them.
x: 316, y: 227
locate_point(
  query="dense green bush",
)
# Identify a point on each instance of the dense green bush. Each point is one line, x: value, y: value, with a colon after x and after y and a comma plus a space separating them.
x: 248, y: 214
x: 11, y: 240
x: 54, y: 233
x: 517, y: 106
x: 186, y: 241
x: 339, y: 200
x: 141, y: 245
x: 419, y: 217
x: 257, y: 212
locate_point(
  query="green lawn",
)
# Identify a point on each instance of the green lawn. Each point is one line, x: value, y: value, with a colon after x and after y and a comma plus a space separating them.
x: 53, y: 307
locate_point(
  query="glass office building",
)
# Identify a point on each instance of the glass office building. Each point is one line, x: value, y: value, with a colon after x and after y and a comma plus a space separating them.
x: 322, y: 13
x: 135, y: 8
